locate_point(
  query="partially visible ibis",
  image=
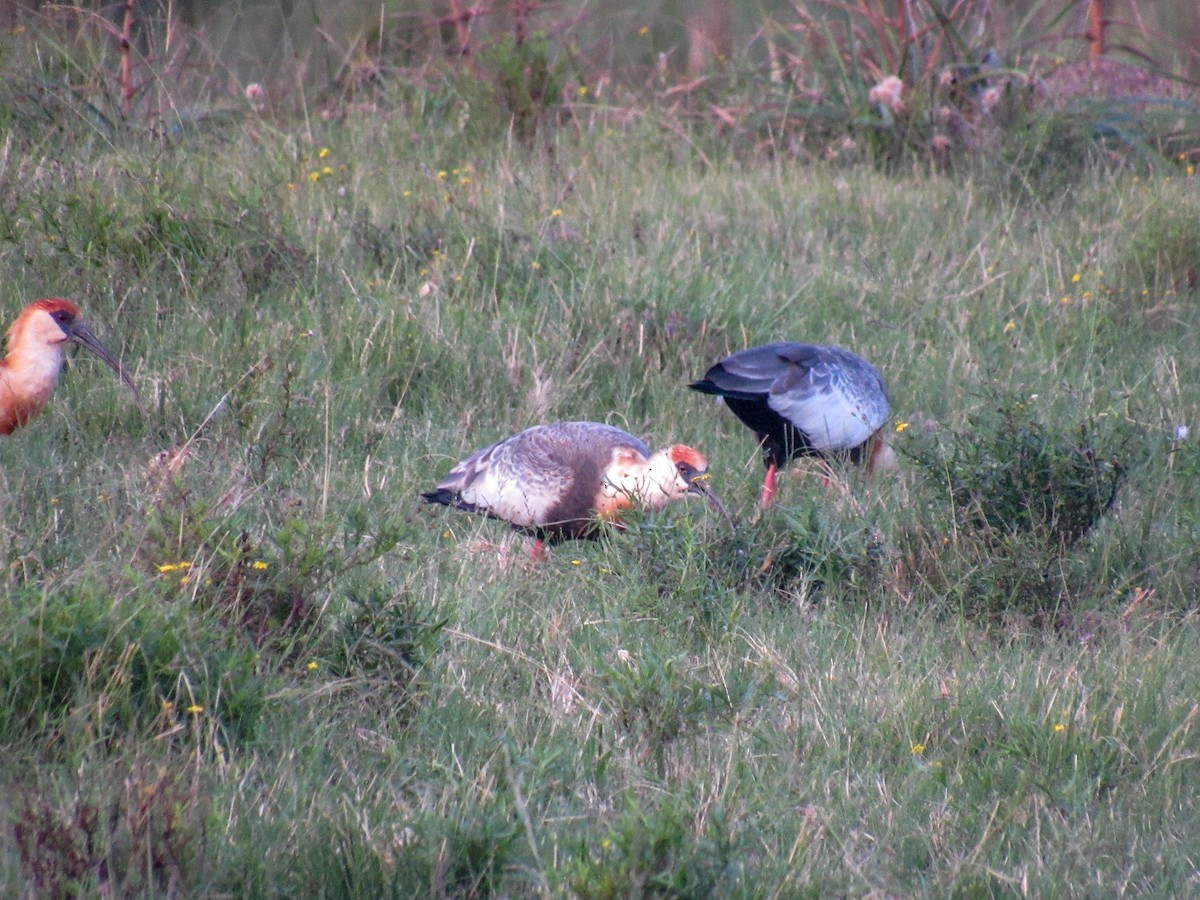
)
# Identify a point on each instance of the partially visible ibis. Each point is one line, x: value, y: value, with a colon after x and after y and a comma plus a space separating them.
x: 564, y: 479
x: 805, y: 400
x: 29, y: 373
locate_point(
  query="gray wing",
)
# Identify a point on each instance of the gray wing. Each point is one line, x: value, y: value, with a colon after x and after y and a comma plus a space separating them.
x: 524, y: 477
x: 835, y: 397
x: 748, y: 374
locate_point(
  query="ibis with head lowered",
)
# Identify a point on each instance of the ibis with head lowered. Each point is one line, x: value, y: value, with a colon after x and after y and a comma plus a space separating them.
x: 565, y: 479
x: 805, y: 400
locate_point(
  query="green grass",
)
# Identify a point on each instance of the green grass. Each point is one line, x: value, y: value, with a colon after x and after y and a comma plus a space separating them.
x: 932, y: 684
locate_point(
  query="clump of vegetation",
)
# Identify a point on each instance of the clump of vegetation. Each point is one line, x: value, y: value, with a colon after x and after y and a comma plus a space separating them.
x: 653, y: 853
x: 124, y: 832
x: 385, y: 640
x: 85, y: 662
x: 1009, y: 472
x: 526, y: 79
x: 1023, y: 493
x: 1163, y: 256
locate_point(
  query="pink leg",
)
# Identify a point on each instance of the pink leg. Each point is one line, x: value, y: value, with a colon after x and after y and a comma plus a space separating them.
x: 768, y: 489
x: 538, y: 550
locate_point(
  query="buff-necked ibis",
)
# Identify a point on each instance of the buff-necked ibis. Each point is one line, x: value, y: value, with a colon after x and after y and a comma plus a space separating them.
x: 564, y: 479
x: 29, y: 373
x: 805, y: 400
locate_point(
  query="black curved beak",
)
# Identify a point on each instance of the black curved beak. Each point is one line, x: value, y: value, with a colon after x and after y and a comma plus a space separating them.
x: 77, y: 332
x: 698, y: 484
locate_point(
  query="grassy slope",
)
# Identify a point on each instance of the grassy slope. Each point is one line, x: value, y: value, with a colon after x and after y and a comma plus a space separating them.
x: 809, y: 707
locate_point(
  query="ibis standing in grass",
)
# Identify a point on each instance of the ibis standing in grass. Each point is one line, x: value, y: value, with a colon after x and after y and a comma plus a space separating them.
x: 805, y: 400
x: 29, y: 373
x: 562, y: 480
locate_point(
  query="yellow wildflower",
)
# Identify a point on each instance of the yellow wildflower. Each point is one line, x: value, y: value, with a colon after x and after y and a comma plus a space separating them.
x: 195, y: 709
x: 328, y: 170
x: 581, y: 90
x: 918, y: 749
x: 556, y: 212
x: 1010, y: 326
x: 312, y: 666
x: 259, y: 564
x: 1075, y: 279
x: 900, y: 426
x: 314, y: 177
x: 173, y: 567
x: 1060, y: 727
x: 324, y: 153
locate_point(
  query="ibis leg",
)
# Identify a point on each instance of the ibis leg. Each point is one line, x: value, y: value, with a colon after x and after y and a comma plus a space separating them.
x: 768, y: 488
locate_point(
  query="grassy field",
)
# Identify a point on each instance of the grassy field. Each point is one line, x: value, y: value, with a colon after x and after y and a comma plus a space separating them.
x: 240, y: 659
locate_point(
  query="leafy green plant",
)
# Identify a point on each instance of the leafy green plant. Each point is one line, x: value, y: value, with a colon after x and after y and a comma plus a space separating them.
x: 386, y: 640
x: 271, y: 588
x: 1023, y: 493
x: 74, y: 654
x: 527, y: 80
x: 652, y: 853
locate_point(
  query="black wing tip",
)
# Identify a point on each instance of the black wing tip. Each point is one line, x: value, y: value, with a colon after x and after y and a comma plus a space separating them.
x: 708, y: 386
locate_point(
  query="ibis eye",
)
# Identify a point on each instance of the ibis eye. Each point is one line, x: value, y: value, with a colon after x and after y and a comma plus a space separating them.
x: 685, y: 469
x: 62, y: 317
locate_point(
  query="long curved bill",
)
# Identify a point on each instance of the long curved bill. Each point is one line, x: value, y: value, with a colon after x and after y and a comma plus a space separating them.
x: 700, y: 485
x: 80, y: 334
